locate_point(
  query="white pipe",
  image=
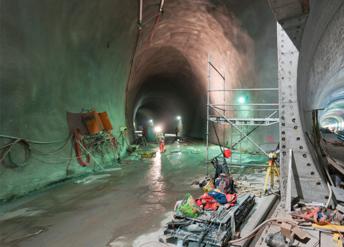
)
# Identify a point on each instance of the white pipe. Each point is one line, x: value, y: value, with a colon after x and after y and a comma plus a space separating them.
x: 330, y: 196
x: 162, y: 5
x: 140, y: 14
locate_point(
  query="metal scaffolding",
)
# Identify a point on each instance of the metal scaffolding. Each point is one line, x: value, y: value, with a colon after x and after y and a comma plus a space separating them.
x: 223, y: 113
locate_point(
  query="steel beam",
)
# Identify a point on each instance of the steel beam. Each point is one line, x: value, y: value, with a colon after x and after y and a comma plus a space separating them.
x: 292, y: 135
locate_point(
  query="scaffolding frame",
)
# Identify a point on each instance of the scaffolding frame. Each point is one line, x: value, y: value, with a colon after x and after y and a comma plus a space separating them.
x: 219, y: 111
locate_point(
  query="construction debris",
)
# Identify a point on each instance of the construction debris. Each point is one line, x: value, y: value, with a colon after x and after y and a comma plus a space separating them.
x: 214, y: 217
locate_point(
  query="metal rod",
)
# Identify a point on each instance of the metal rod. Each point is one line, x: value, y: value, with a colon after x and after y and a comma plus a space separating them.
x: 271, y: 114
x: 247, y: 109
x: 252, y: 104
x: 208, y: 108
x: 251, y: 131
x: 229, y: 121
x: 223, y: 77
x: 245, y: 89
x: 221, y: 109
x: 289, y: 180
x: 224, y: 110
x: 161, y: 5
x: 140, y: 12
x: 256, y: 127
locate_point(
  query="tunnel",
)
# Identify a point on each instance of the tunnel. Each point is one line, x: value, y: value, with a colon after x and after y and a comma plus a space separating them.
x: 170, y: 89
x: 112, y: 111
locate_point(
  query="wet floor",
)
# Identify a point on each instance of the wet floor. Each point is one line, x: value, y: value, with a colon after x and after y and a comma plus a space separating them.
x: 112, y: 208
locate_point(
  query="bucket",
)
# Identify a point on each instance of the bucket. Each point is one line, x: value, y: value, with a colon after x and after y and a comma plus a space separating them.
x: 104, y: 118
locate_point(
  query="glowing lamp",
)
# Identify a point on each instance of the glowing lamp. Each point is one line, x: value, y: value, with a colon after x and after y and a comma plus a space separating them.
x: 242, y: 100
x: 157, y: 129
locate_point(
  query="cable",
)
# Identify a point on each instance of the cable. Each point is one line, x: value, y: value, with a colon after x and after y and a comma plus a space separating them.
x: 253, y: 232
x: 7, y: 153
x: 10, y: 145
x: 30, y: 140
x: 56, y: 150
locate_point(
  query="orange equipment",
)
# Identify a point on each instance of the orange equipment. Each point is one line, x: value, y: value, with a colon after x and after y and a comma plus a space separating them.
x: 104, y: 118
x: 227, y: 153
x: 77, y: 147
x: 93, y: 123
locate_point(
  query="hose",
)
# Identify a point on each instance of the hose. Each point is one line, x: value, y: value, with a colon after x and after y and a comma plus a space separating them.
x: 10, y: 146
x: 30, y: 140
x: 77, y: 144
x: 27, y: 148
x: 54, y: 151
x: 255, y: 230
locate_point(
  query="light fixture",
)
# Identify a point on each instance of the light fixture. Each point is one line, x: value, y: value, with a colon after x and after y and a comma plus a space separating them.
x: 150, y: 121
x: 157, y: 129
x: 179, y: 118
x: 241, y: 100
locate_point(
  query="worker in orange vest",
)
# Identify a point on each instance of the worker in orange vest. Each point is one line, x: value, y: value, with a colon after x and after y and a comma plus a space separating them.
x: 162, y: 143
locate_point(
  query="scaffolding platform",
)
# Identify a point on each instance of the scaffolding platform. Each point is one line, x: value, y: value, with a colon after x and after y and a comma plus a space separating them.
x: 245, y: 121
x: 256, y: 113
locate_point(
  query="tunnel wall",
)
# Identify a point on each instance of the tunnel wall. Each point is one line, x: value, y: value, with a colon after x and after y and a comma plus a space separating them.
x: 59, y: 56
x: 321, y: 62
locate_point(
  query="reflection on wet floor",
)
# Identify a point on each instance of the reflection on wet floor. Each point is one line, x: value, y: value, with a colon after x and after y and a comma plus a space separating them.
x: 116, y: 207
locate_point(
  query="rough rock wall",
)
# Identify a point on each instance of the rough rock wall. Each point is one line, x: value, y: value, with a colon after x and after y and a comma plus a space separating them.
x: 58, y: 56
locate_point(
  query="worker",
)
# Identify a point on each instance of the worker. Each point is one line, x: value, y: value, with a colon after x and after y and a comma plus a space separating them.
x: 219, y: 167
x: 225, y: 183
x: 177, y: 133
x: 144, y: 135
x: 161, y: 142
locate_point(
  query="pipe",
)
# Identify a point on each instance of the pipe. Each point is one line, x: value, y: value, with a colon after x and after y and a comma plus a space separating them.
x: 161, y: 5
x: 140, y: 14
x: 330, y: 196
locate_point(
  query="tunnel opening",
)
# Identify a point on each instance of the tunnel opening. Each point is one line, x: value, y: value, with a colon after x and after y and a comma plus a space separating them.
x: 169, y: 102
x: 169, y: 94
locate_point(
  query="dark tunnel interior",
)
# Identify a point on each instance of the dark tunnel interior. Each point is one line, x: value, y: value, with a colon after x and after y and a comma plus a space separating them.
x: 171, y: 90
x: 164, y: 98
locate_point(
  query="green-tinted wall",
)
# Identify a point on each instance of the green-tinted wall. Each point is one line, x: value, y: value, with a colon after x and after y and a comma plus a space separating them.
x: 59, y: 56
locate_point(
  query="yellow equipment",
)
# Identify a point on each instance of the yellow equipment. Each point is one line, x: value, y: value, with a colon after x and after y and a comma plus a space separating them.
x: 147, y: 154
x: 338, y: 239
x: 271, y: 172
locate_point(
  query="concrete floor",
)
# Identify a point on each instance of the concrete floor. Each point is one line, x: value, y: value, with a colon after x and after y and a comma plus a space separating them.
x: 108, y: 209
x: 125, y: 204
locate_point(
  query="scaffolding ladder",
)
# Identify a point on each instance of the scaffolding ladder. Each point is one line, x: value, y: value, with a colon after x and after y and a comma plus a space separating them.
x: 223, y: 113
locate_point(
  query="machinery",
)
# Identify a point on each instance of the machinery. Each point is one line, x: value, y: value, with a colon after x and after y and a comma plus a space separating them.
x: 211, y: 228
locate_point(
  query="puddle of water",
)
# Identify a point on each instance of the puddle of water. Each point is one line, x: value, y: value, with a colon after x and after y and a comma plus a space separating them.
x: 92, y: 178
